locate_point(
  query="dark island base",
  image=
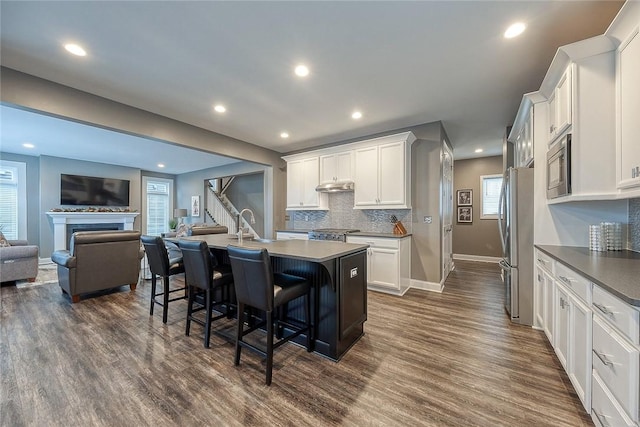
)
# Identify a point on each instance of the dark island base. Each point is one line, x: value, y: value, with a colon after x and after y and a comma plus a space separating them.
x: 338, y: 303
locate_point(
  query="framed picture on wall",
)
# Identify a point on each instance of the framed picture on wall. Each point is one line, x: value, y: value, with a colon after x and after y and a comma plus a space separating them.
x: 465, y: 197
x: 195, y: 205
x: 465, y: 214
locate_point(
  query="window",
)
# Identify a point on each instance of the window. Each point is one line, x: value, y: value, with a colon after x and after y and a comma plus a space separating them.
x: 158, y: 203
x: 490, y: 186
x: 13, y: 200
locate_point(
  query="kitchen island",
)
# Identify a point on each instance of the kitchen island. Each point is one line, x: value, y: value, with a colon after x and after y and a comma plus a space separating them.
x: 338, y: 274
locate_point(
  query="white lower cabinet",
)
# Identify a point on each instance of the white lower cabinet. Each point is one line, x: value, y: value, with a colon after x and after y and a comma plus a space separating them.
x: 562, y: 325
x: 388, y: 262
x: 616, y: 363
x: 566, y: 319
x: 605, y: 410
x: 579, y: 363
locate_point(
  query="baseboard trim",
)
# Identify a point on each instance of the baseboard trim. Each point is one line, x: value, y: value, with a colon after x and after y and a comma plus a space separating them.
x: 427, y: 286
x: 479, y: 258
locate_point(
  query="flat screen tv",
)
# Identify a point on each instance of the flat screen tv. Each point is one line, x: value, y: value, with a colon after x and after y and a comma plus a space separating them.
x: 93, y: 191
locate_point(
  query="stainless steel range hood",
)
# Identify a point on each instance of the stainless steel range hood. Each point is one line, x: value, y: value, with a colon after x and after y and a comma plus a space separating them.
x: 335, y: 187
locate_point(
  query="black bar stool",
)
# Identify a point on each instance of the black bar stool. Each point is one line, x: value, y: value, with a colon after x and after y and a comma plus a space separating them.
x: 204, y: 276
x: 163, y: 263
x: 257, y: 286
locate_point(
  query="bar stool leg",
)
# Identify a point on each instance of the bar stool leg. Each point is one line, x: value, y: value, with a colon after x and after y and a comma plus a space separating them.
x: 189, y: 310
x: 153, y: 293
x: 239, y: 332
x: 307, y: 317
x: 269, y: 346
x: 207, y: 319
x: 165, y: 298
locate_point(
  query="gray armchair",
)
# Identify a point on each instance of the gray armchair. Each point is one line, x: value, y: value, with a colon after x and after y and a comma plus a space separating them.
x: 18, y: 261
x: 98, y: 260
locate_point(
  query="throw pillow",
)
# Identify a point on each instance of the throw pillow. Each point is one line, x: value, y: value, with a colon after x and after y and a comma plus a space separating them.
x: 3, y: 241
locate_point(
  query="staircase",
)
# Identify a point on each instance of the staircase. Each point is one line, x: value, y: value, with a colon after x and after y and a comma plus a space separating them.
x: 222, y: 211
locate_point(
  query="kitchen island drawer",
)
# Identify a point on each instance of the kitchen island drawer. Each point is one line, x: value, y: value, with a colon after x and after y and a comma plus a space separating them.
x: 375, y: 242
x: 616, y: 362
x: 604, y: 409
x: 621, y: 315
x: 574, y: 281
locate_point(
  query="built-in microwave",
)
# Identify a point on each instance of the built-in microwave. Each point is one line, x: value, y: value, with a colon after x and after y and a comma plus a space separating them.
x: 559, y: 168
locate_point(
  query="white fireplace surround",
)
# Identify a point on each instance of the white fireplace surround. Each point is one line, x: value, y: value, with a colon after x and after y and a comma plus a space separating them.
x: 61, y: 219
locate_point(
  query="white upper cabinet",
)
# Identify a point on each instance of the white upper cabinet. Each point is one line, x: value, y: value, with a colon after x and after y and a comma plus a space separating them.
x: 560, y: 106
x: 380, y: 169
x: 335, y: 167
x: 382, y: 175
x: 522, y: 135
x: 628, y: 117
x: 302, y: 178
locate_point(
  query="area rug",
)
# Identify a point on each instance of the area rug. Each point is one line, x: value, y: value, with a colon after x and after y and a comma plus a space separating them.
x: 47, y: 273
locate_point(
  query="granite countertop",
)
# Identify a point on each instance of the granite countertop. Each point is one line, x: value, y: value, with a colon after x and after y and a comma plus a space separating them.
x: 308, y: 250
x: 374, y: 234
x: 615, y: 271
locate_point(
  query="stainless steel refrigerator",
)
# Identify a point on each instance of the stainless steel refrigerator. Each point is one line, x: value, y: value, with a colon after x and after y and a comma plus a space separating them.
x: 515, y: 223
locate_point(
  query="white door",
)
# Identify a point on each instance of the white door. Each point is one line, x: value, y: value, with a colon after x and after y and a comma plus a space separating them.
x: 311, y: 178
x: 295, y: 182
x: 447, y: 211
x: 562, y: 308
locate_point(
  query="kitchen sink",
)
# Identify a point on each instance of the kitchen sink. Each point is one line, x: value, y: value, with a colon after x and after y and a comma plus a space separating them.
x: 263, y: 240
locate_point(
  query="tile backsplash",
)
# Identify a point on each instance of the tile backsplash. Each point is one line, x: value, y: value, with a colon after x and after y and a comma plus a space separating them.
x: 634, y: 224
x: 342, y: 215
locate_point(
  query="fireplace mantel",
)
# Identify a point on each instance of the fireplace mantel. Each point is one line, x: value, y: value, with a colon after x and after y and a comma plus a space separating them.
x: 61, y: 219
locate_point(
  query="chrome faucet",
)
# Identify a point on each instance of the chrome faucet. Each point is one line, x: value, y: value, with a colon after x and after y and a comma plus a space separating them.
x: 239, y: 230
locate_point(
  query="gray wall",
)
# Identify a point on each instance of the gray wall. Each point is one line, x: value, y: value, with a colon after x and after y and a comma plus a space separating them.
x: 46, y: 97
x: 33, y: 194
x: 480, y: 237
x: 634, y: 225
x: 50, y: 170
x: 247, y: 191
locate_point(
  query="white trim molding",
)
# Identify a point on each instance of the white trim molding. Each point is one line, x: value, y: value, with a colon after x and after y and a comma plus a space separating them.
x: 61, y: 219
x: 427, y: 286
x: 479, y: 258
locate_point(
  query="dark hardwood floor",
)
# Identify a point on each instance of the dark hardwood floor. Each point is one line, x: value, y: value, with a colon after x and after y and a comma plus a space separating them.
x: 450, y: 359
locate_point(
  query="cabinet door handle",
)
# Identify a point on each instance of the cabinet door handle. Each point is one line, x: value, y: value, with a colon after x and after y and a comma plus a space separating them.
x: 603, y: 358
x: 565, y: 279
x: 563, y: 303
x: 601, y: 418
x: 543, y: 261
x: 603, y: 309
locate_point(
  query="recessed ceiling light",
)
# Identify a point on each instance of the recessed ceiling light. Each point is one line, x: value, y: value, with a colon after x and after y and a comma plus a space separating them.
x: 284, y: 135
x: 356, y: 115
x: 302, y: 70
x: 75, y: 49
x: 479, y: 150
x: 515, y: 30
x: 220, y: 108
x: 28, y: 145
x: 160, y: 165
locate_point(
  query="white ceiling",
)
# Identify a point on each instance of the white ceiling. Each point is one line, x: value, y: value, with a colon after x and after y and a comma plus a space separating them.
x: 400, y: 63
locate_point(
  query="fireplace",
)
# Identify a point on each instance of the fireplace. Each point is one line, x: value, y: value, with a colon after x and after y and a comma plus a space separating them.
x: 64, y: 222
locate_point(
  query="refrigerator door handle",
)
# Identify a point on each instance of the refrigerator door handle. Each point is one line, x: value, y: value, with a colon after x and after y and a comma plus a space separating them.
x: 501, y: 202
x: 503, y: 265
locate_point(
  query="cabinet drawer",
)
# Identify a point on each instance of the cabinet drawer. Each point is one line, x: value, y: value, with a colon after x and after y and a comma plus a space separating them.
x: 616, y: 362
x: 574, y: 281
x: 619, y: 313
x: 604, y: 409
x: 375, y: 242
x: 545, y: 261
